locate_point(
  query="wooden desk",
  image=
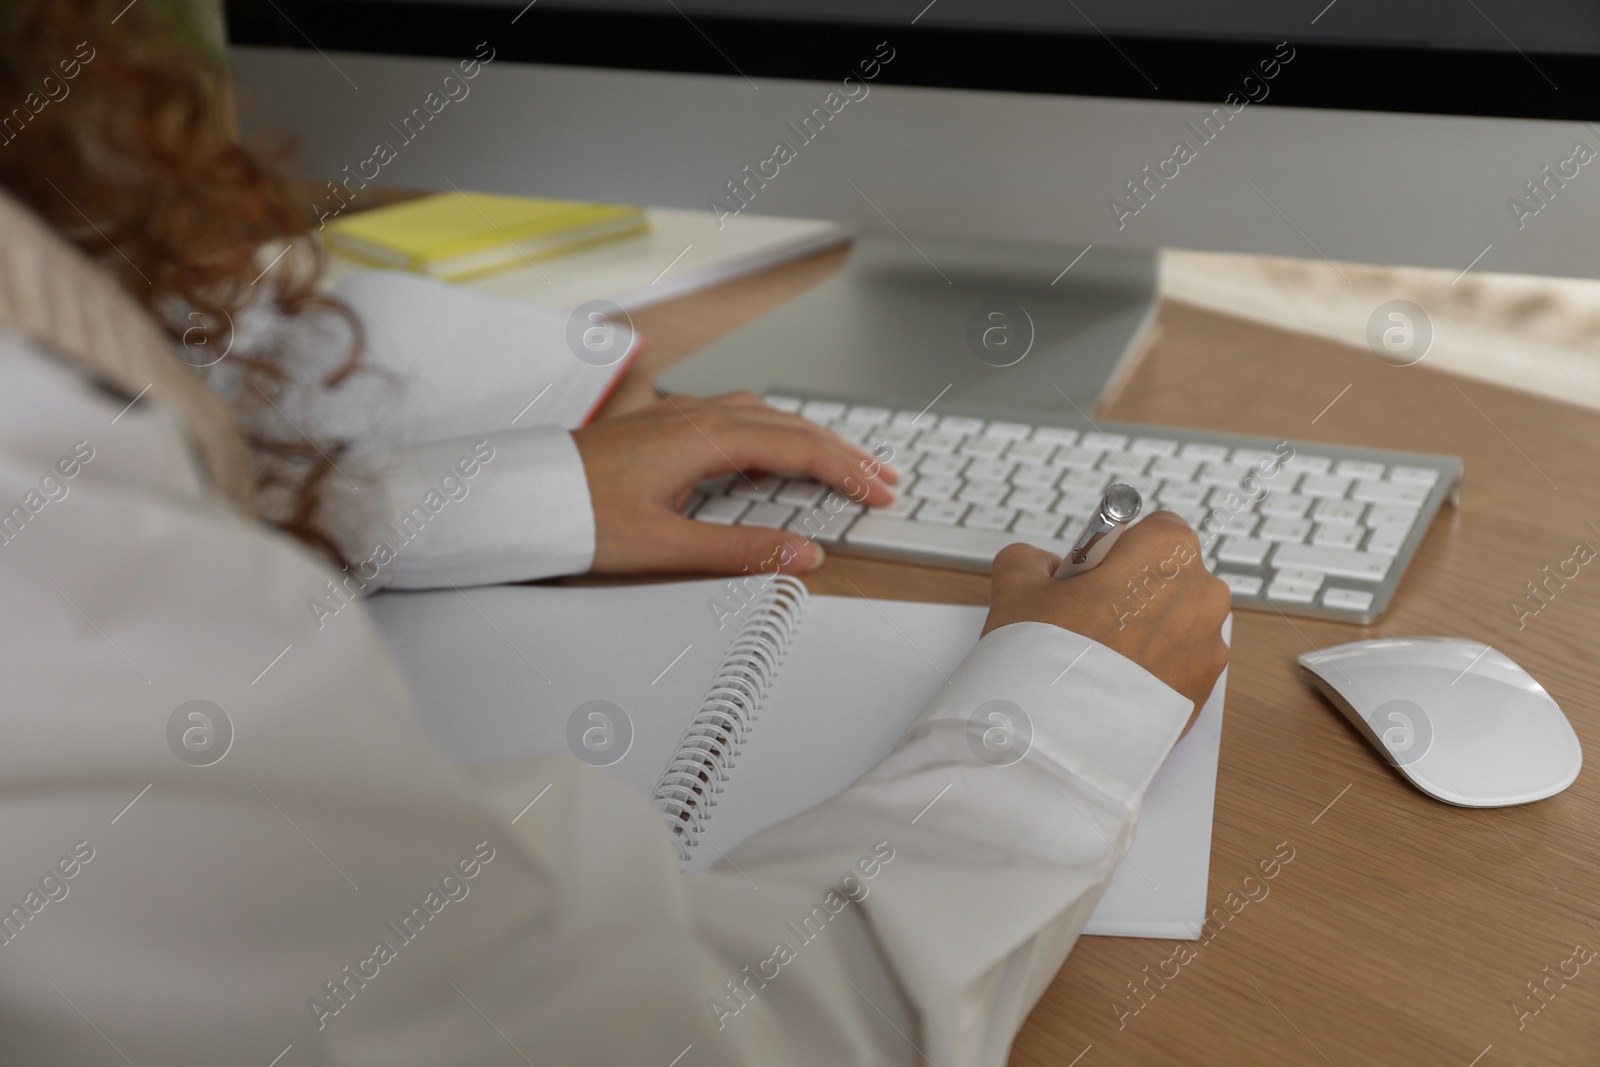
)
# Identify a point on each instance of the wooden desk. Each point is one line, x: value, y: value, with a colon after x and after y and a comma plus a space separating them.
x: 1403, y: 931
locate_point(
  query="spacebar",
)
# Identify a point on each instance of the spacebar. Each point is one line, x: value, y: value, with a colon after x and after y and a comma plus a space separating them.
x: 932, y: 539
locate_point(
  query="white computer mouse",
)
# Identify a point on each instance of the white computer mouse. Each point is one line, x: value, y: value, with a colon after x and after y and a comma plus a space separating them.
x: 1463, y: 722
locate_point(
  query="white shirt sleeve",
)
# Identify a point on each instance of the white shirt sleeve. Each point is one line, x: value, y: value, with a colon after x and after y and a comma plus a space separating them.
x: 225, y: 836
x: 509, y: 506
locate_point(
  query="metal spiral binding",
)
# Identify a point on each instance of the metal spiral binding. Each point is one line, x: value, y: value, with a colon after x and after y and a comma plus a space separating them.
x: 695, y: 775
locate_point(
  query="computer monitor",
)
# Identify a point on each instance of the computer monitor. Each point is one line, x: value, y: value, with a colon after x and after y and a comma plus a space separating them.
x: 982, y: 145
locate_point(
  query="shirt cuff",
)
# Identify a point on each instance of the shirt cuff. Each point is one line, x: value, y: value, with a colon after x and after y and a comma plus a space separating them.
x: 502, y: 507
x: 1097, y: 715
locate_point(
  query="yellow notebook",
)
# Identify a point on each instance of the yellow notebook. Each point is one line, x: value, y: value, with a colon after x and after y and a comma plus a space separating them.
x: 461, y: 235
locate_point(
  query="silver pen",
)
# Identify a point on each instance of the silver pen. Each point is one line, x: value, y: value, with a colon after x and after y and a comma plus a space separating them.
x: 1118, y: 508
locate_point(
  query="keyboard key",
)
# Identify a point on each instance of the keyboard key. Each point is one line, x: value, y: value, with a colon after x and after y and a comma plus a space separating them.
x: 1010, y: 431
x: 1236, y: 524
x: 822, y: 412
x: 1246, y: 551
x: 1152, y: 446
x: 1231, y: 497
x: 917, y: 420
x: 902, y: 507
x: 1175, y: 468
x: 1228, y: 474
x: 897, y: 435
x: 1259, y: 458
x: 783, y: 403
x: 694, y: 501
x: 1204, y: 452
x: 1296, y: 576
x: 1241, y: 584
x: 1303, y: 464
x: 864, y: 415
x: 1337, y: 511
x: 1055, y: 435
x: 935, y: 488
x: 938, y: 441
x: 941, y: 465
x: 984, y: 492
x: 1346, y: 599
x: 1123, y: 465
x: 1284, y: 482
x: 1037, y: 475
x: 821, y: 526
x: 946, y: 512
x: 1181, y: 494
x: 989, y: 517
x: 1035, y: 524
x: 1390, y: 493
x: 1079, y: 457
x: 1032, y: 499
x: 1391, y: 515
x: 1285, y: 529
x: 1285, y: 505
x: 988, y: 470
x: 1094, y: 481
x: 1108, y: 441
x: 984, y: 446
x: 1423, y: 476
x: 1359, y: 469
x: 1341, y: 563
x: 1031, y: 451
x: 800, y: 493
x: 1291, y: 594
x: 1075, y: 500
x: 1070, y: 529
x: 960, y: 543
x: 1338, y: 535
x: 1324, y: 485
x: 723, y: 510
x: 756, y: 488
x: 962, y: 424
x: 1388, y: 540
x: 764, y: 513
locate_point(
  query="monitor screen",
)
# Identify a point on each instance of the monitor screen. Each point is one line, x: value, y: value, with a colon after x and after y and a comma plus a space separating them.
x: 1571, y: 26
x: 1505, y: 58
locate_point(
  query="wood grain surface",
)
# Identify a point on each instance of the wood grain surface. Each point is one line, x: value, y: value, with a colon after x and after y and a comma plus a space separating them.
x: 1401, y: 930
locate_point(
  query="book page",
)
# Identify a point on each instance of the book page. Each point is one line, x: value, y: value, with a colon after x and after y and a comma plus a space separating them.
x: 445, y: 361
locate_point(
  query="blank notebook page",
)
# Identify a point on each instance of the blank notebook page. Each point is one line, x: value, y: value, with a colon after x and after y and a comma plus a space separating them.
x: 854, y: 682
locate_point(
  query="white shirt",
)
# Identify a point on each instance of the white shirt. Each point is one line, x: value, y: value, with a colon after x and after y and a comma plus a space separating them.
x: 324, y: 859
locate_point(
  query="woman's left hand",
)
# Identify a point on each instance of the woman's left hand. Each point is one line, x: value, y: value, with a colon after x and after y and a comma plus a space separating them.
x: 642, y: 466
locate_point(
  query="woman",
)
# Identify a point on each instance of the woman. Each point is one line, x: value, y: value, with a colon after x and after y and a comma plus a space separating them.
x: 267, y: 905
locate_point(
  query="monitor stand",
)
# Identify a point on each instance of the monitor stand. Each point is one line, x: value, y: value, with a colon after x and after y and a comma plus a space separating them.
x: 976, y: 322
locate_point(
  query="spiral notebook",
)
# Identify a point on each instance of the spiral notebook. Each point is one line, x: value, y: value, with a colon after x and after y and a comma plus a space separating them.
x: 735, y: 707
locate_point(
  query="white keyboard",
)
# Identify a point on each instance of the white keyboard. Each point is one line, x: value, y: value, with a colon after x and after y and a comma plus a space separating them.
x: 1327, y: 533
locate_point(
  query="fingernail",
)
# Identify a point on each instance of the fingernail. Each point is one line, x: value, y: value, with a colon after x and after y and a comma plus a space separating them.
x: 801, y: 555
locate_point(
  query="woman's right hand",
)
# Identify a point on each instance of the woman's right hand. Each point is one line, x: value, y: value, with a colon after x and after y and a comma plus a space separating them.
x: 1151, y: 599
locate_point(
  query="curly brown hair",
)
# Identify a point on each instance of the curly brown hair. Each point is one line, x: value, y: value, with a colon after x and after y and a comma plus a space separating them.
x: 143, y: 173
